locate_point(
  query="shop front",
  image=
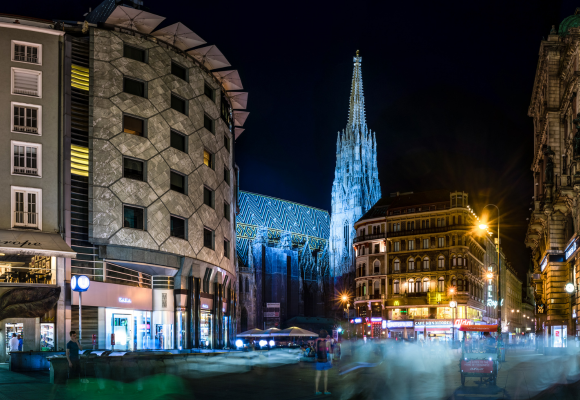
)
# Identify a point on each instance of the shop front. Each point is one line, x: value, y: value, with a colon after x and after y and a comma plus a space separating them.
x: 401, y: 329
x: 206, y: 323
x: 434, y: 329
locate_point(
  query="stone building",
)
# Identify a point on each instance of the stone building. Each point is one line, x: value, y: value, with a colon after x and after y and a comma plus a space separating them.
x: 32, y: 244
x: 554, y: 221
x: 411, y: 250
x: 283, y: 261
x: 512, y: 312
x: 356, y: 186
x: 149, y: 145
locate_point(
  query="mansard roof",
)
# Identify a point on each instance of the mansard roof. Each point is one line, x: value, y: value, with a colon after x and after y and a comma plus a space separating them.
x: 405, y: 200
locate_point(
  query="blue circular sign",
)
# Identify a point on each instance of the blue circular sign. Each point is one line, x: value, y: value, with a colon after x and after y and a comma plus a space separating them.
x: 80, y: 283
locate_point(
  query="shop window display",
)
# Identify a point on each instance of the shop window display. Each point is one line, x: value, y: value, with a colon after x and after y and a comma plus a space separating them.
x: 206, y: 329
x: 27, y: 269
x: 9, y: 329
x: 47, y: 337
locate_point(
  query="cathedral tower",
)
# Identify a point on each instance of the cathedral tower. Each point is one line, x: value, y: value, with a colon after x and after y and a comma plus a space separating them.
x: 356, y: 186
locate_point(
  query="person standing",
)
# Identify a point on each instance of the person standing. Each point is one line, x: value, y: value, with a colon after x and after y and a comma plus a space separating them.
x: 322, y: 362
x: 72, y: 355
x: 13, y: 343
x: 20, y: 342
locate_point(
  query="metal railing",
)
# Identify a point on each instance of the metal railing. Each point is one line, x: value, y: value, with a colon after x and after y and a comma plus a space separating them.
x: 25, y: 219
x: 25, y: 129
x: 369, y: 237
x: 112, y: 273
x: 423, y: 231
x: 25, y: 170
x: 22, y: 56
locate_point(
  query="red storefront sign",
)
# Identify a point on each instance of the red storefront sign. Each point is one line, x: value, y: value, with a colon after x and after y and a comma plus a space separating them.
x: 477, y: 366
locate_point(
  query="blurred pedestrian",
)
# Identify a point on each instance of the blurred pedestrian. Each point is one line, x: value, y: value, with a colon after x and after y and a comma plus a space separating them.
x: 20, y: 342
x: 13, y: 343
x: 322, y: 362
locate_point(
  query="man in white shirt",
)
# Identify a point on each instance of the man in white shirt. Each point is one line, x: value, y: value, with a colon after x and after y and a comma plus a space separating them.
x: 14, y: 343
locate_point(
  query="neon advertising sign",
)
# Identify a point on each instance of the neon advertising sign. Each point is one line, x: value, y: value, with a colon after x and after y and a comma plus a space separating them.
x: 570, y: 250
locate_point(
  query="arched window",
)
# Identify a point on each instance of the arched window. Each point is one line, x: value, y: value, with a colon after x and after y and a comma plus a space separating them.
x: 418, y: 285
x: 377, y: 266
x: 426, y: 263
x: 441, y: 262
x: 454, y: 282
x: 411, y: 286
x: 397, y: 265
x: 426, y: 286
x: 241, y: 285
x: 459, y: 260
x: 364, y: 270
x: 247, y: 285
x: 454, y: 261
x: 377, y: 288
x: 460, y: 285
x: 465, y: 262
x: 411, y: 264
x: 396, y: 287
x: 441, y: 284
x: 364, y: 289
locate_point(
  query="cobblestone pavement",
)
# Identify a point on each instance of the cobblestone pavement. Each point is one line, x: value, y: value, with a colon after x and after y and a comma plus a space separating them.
x: 406, y: 374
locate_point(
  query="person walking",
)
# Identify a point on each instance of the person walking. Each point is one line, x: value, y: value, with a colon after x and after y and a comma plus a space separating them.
x: 72, y: 355
x: 322, y: 363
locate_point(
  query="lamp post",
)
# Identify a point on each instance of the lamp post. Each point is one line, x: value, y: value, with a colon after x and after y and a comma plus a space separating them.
x: 483, y: 226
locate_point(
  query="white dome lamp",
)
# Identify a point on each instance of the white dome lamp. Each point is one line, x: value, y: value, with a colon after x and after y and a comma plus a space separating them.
x: 569, y: 287
x: 80, y: 284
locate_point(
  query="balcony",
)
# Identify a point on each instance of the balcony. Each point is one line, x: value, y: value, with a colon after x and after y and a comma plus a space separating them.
x: 375, y: 236
x: 24, y: 219
x: 26, y: 171
x: 26, y: 129
x: 430, y: 230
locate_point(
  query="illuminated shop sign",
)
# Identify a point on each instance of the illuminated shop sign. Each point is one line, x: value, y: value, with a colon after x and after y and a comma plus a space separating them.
x: 376, y: 319
x: 357, y: 320
x: 491, y: 303
x: 384, y: 324
x: 124, y: 300
x: 459, y: 322
x: 206, y: 306
x: 433, y: 323
x: 570, y: 250
x: 544, y: 263
x: 399, y: 324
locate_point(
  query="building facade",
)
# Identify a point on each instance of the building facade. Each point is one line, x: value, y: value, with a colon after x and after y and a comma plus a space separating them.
x: 417, y: 254
x: 356, y: 186
x: 32, y: 246
x: 283, y: 261
x: 554, y: 221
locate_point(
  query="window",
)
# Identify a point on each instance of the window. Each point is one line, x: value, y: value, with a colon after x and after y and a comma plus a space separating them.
x: 178, y: 141
x: 459, y: 261
x: 26, y: 118
x: 425, y: 243
x: 208, y: 197
x: 134, y: 126
x: 411, y: 264
x: 441, y: 284
x: 134, y: 53
x: 226, y: 142
x: 135, y: 87
x: 226, y: 248
x: 426, y: 285
x: 177, y: 182
x: 208, y: 91
x: 412, y: 244
x: 397, y: 265
x: 426, y: 263
x: 178, y: 227
x: 208, y: 159
x: 460, y: 285
x: 226, y: 111
x: 247, y: 285
x: 27, y: 52
x: 26, y: 208
x: 133, y: 217
x: 377, y: 266
x: 397, y: 246
x: 377, y: 248
x: 178, y: 71
x: 26, y: 158
x: 441, y: 242
x: 26, y: 82
x: 179, y: 104
x: 454, y: 262
x: 418, y: 287
x: 441, y: 262
x: 396, y: 287
x: 208, y: 238
x: 226, y: 211
x: 226, y: 175
x: 411, y: 286
x: 133, y: 169
x: 208, y: 123
x: 345, y: 232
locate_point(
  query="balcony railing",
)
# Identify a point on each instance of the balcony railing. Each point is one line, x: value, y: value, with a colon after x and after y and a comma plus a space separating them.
x: 423, y: 231
x: 369, y: 237
x: 26, y: 171
x: 25, y: 129
x: 112, y: 273
x: 25, y: 219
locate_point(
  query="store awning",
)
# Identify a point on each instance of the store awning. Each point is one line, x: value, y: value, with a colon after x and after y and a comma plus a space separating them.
x: 34, y: 243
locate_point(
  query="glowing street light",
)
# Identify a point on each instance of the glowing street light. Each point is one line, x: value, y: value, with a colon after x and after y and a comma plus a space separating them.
x: 489, y: 275
x: 569, y: 287
x: 482, y: 227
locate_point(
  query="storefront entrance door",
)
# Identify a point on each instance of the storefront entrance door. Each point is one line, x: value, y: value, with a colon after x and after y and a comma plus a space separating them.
x: 122, y: 331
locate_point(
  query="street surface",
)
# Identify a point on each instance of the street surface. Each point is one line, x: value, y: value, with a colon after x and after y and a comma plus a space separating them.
x: 409, y: 372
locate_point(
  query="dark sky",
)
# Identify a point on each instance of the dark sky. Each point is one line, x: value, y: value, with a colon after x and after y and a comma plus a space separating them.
x: 447, y: 87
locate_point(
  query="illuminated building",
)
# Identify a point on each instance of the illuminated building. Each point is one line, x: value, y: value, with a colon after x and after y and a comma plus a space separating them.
x: 553, y: 225
x: 282, y: 260
x: 411, y: 250
x: 356, y: 186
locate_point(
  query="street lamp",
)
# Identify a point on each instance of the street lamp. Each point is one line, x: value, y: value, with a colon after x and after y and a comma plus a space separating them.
x: 453, y: 304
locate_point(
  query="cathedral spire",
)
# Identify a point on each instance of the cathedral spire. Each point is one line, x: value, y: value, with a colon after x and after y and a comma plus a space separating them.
x: 356, y: 115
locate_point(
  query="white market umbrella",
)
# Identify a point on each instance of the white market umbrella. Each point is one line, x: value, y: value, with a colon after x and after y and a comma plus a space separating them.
x: 251, y: 333
x: 238, y: 132
x: 269, y: 332
x: 239, y: 100
x: 240, y: 117
x: 210, y: 57
x: 137, y: 20
x: 230, y: 80
x: 294, y: 331
x: 179, y: 36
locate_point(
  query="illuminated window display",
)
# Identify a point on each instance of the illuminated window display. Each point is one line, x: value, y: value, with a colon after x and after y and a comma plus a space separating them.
x: 205, y: 328
x: 47, y: 342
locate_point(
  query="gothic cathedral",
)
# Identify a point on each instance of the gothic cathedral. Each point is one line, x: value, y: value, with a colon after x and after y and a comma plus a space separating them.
x: 356, y: 186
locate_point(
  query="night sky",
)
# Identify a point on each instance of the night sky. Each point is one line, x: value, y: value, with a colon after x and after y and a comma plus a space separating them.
x: 447, y: 88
